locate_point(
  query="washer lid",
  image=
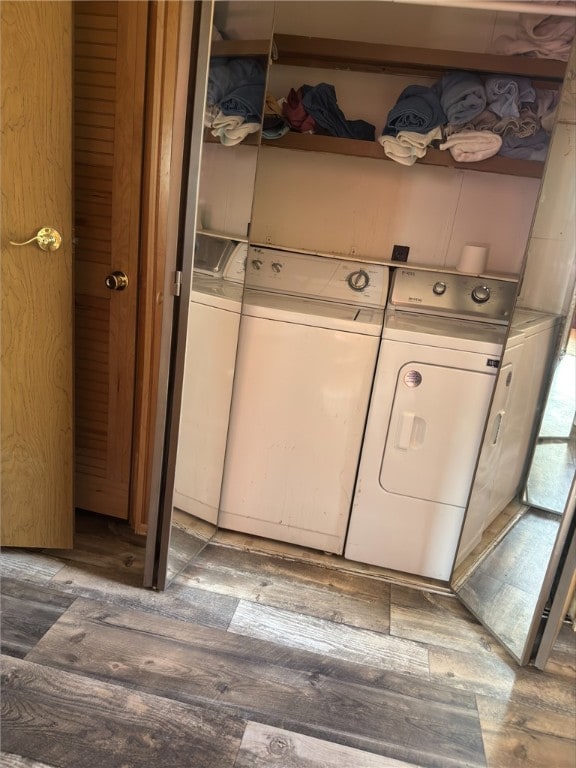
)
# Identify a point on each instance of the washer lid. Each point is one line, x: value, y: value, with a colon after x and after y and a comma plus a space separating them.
x: 213, y: 291
x: 530, y: 321
x: 313, y: 312
x: 448, y: 333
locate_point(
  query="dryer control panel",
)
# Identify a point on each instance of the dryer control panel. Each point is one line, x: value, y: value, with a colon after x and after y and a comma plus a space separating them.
x: 317, y: 277
x: 449, y: 295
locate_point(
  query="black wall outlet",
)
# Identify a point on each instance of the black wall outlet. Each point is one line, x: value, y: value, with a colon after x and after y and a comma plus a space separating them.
x: 400, y: 252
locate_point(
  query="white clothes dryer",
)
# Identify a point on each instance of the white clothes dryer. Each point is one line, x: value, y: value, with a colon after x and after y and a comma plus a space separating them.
x: 213, y: 323
x: 307, y: 353
x: 441, y: 346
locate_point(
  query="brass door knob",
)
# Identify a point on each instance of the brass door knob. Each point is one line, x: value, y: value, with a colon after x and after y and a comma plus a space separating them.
x: 47, y: 238
x: 117, y: 281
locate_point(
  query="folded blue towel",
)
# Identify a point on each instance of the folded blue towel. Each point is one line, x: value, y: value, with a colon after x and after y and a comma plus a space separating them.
x: 319, y: 101
x: 246, y: 101
x: 225, y: 75
x: 417, y: 109
x: 506, y: 94
x: 462, y: 96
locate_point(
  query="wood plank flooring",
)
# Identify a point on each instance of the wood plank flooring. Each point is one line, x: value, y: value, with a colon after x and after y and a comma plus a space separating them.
x: 250, y: 660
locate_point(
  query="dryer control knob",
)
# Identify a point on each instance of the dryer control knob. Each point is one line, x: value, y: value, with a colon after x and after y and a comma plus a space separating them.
x: 257, y: 263
x: 439, y: 288
x: 358, y: 280
x: 481, y: 294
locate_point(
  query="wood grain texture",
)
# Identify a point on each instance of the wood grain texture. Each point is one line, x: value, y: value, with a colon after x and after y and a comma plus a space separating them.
x: 498, y: 676
x: 523, y: 715
x: 307, y: 588
x: 178, y: 601
x: 562, y: 660
x: 265, y: 747
x: 438, y: 620
x: 339, y: 641
x: 36, y: 320
x: 347, y: 703
x: 16, y: 761
x: 74, y: 722
x: 28, y: 612
x: 103, y: 543
x: 522, y: 736
x: 108, y: 98
x: 165, y: 117
x: 28, y: 565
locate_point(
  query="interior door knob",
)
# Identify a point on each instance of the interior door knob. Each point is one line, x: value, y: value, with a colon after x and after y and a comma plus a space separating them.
x: 48, y: 239
x: 117, y: 281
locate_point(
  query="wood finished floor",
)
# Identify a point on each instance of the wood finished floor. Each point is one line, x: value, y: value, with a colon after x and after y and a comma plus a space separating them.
x: 251, y: 661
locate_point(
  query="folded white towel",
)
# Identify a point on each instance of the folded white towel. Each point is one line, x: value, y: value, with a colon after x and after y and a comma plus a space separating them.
x: 232, y: 129
x: 471, y: 146
x: 407, y: 146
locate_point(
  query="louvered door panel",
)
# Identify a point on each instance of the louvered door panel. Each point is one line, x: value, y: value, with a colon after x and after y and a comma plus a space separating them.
x: 110, y: 39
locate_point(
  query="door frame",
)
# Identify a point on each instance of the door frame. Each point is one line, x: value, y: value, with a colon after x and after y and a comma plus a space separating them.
x: 169, y: 58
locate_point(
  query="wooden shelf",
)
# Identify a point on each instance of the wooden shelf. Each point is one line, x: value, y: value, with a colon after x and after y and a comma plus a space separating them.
x: 371, y: 149
x: 375, y: 57
x: 231, y: 48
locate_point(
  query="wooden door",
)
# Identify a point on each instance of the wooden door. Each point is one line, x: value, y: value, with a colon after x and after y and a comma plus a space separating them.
x: 37, y: 285
x: 109, y: 80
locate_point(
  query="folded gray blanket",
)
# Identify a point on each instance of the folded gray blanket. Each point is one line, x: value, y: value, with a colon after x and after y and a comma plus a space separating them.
x: 462, y: 96
x: 532, y: 147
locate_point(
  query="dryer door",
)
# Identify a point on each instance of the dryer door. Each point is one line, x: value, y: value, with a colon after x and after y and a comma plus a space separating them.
x: 435, y: 430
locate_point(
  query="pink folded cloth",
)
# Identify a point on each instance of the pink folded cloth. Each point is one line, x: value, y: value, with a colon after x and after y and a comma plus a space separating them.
x: 472, y: 146
x: 546, y: 37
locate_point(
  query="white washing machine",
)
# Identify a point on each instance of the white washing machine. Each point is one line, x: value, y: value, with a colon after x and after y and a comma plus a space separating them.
x: 307, y: 352
x: 213, y: 323
x: 441, y: 346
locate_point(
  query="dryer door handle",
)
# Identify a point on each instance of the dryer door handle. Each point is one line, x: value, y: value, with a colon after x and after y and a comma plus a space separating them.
x: 411, y: 431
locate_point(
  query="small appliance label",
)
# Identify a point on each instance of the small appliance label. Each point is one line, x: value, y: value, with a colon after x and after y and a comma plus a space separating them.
x: 493, y: 362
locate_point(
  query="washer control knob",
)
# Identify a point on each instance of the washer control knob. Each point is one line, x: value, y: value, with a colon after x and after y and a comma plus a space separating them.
x: 277, y: 266
x: 257, y: 263
x: 481, y: 294
x: 439, y: 288
x: 358, y: 280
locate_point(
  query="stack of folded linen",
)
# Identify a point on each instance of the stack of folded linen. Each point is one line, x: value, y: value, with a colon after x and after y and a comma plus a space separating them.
x: 234, y: 98
x: 523, y: 126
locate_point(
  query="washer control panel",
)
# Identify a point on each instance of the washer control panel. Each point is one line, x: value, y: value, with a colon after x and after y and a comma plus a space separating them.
x: 317, y: 277
x: 453, y: 295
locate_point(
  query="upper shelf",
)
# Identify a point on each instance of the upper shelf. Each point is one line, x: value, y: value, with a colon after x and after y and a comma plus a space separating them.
x: 372, y: 149
x: 240, y: 48
x: 376, y: 57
